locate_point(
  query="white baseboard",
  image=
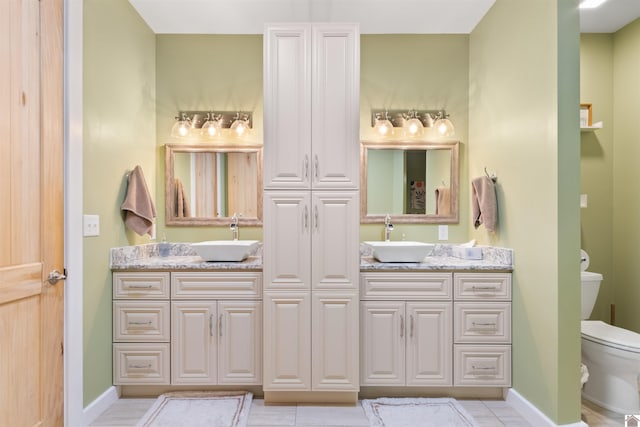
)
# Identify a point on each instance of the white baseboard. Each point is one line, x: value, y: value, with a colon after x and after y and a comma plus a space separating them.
x: 533, y: 414
x: 98, y: 406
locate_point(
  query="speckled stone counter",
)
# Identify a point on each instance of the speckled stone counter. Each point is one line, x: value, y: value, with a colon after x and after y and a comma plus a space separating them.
x: 493, y: 258
x: 180, y: 256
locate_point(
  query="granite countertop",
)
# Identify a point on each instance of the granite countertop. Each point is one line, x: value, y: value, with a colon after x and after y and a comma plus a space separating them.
x: 180, y: 256
x: 493, y: 258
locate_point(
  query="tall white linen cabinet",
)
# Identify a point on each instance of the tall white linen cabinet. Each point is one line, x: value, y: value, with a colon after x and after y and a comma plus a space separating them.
x: 311, y: 212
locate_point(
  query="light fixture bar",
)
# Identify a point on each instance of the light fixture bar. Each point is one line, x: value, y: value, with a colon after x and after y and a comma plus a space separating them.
x: 399, y: 117
x: 198, y: 118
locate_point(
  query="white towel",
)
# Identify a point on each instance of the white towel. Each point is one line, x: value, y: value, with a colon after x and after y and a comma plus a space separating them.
x: 137, y: 205
x: 443, y: 201
x: 484, y: 203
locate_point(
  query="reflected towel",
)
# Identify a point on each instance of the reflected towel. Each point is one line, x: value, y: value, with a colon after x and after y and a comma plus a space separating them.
x: 443, y: 201
x: 182, y: 205
x: 483, y: 203
x: 138, y: 205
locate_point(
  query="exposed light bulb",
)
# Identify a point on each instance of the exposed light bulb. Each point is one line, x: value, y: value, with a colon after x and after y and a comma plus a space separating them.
x: 383, y: 127
x: 240, y: 126
x: 414, y: 126
x: 211, y: 127
x: 181, y: 127
x: 444, y: 127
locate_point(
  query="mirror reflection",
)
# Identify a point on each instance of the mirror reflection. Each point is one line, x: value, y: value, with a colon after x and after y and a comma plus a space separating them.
x: 207, y: 184
x: 413, y: 182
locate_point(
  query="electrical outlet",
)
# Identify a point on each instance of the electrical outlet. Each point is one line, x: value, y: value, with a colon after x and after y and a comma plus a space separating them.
x: 443, y: 232
x: 91, y: 225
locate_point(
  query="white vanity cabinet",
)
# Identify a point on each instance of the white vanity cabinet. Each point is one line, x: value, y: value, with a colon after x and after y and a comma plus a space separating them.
x: 311, y: 106
x: 204, y: 328
x: 482, y: 329
x: 406, y: 322
x: 311, y: 207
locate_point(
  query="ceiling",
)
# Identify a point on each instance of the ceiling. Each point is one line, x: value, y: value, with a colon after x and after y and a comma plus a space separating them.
x: 374, y: 16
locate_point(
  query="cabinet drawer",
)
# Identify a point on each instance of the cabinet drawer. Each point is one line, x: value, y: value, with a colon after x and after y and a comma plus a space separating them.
x: 141, y: 321
x: 489, y: 286
x: 140, y: 364
x: 482, y: 322
x: 405, y: 285
x: 482, y: 365
x: 147, y: 285
x: 189, y: 285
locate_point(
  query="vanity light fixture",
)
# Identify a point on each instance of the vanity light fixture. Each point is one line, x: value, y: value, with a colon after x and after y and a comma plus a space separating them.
x: 414, y: 122
x: 443, y: 125
x: 182, y: 126
x: 211, y: 127
x: 240, y: 125
x: 382, y: 125
x: 211, y: 124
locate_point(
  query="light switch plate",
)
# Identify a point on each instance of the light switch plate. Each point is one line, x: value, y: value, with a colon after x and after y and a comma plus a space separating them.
x: 583, y: 200
x: 91, y: 225
x: 443, y: 232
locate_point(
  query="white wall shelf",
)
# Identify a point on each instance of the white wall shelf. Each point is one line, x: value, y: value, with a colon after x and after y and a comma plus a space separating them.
x: 596, y: 125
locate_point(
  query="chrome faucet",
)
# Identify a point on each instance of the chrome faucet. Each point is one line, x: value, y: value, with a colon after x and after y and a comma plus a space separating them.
x: 234, y: 226
x: 387, y: 228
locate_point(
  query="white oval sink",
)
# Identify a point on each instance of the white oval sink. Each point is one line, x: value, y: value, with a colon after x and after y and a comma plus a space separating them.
x: 400, y: 251
x: 225, y: 250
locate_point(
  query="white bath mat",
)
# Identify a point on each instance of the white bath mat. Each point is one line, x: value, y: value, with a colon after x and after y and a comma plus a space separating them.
x: 412, y: 412
x: 199, y: 409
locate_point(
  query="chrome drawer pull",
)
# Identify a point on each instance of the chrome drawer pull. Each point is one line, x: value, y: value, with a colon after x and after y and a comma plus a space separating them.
x: 140, y: 286
x: 211, y: 325
x: 484, y: 288
x: 220, y: 325
x: 483, y: 368
x: 401, y: 326
x: 411, y: 327
x: 140, y: 323
x: 483, y: 324
x: 147, y: 366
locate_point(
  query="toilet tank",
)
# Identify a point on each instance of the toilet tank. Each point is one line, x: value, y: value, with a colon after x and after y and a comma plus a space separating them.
x: 590, y: 286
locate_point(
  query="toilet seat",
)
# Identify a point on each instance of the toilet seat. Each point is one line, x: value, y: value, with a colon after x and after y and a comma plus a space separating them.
x: 610, y: 336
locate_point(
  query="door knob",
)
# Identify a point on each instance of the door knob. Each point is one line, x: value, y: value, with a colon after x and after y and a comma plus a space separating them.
x: 55, y: 276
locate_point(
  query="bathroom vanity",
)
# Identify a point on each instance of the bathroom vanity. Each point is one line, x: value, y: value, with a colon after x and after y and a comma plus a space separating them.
x: 439, y: 326
x: 178, y: 320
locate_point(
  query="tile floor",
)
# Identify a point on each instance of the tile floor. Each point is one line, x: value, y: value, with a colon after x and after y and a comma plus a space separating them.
x: 488, y: 413
x: 126, y: 412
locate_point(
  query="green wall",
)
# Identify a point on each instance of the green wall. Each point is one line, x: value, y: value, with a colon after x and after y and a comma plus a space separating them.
x: 626, y: 175
x: 422, y: 72
x: 524, y: 127
x: 119, y: 133
x: 596, y: 164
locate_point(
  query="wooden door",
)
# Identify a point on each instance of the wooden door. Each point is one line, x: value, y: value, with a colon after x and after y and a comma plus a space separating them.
x: 31, y: 218
x: 240, y: 342
x: 382, y: 348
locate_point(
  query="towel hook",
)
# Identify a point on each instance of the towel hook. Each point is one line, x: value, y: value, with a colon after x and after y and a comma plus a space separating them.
x: 493, y: 177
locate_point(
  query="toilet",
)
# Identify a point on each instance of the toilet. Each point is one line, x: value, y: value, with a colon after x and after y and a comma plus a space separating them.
x: 611, y: 354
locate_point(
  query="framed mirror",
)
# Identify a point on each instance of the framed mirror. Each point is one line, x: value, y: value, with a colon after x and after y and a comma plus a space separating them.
x: 207, y: 184
x: 414, y: 182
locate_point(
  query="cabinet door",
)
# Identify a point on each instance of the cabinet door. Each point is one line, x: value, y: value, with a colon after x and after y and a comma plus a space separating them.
x: 287, y: 106
x: 429, y: 345
x: 240, y: 342
x: 336, y: 106
x: 193, y: 342
x: 335, y: 341
x: 335, y: 240
x: 382, y: 343
x: 287, y: 341
x: 287, y: 240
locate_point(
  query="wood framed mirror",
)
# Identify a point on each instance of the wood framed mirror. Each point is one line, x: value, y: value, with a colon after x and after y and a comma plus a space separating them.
x: 414, y: 182
x: 207, y: 184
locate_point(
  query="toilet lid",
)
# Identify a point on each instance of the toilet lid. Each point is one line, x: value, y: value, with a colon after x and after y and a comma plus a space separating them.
x: 584, y: 260
x: 612, y: 336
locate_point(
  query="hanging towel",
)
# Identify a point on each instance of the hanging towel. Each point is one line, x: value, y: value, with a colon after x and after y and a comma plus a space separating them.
x: 138, y: 205
x: 182, y: 205
x: 443, y: 201
x: 483, y: 203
